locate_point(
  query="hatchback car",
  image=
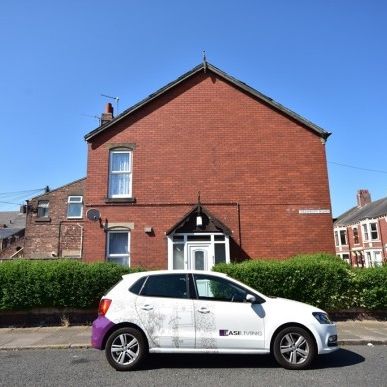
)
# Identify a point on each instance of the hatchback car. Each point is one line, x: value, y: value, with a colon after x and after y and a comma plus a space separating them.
x: 205, y: 312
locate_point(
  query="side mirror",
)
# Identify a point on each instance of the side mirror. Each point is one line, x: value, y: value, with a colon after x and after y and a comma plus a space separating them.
x: 250, y: 298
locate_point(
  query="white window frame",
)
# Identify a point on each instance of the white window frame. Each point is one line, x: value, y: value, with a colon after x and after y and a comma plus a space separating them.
x: 43, y: 204
x: 108, y: 255
x: 366, y: 231
x: 370, y: 257
x: 186, y: 243
x: 79, y: 200
x: 129, y: 172
x: 337, y: 236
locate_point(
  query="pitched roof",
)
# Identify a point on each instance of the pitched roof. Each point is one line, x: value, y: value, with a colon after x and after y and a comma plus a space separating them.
x: 205, y: 66
x: 188, y: 222
x: 58, y: 188
x: 14, y: 220
x: 372, y: 210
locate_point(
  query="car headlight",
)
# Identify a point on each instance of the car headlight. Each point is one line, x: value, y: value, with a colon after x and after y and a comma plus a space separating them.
x: 322, y: 318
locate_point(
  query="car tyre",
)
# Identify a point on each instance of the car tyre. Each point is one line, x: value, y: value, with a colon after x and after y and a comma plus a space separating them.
x: 126, y: 349
x: 294, y: 348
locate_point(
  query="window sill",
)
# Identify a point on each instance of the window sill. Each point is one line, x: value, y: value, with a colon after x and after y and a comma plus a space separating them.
x: 120, y: 200
x: 43, y: 220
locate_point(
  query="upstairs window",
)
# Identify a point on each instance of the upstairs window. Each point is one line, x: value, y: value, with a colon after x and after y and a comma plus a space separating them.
x: 337, y: 239
x: 356, y: 236
x: 43, y: 206
x: 343, y: 237
x: 374, y: 231
x: 365, y: 232
x: 74, y: 207
x: 120, y: 174
x: 370, y: 232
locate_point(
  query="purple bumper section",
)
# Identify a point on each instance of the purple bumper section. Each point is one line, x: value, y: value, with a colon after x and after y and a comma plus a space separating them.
x: 101, y: 326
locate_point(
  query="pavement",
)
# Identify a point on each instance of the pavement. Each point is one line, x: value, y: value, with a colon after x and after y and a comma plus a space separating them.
x: 366, y: 332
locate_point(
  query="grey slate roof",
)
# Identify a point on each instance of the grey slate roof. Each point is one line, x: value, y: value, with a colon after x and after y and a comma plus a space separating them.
x: 207, y: 67
x: 14, y: 220
x: 372, y: 210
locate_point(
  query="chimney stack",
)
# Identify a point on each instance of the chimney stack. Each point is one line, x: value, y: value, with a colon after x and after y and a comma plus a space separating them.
x: 107, y: 115
x: 363, y: 197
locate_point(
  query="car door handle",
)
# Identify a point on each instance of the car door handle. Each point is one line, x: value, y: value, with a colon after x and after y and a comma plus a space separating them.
x: 203, y: 310
x: 147, y: 307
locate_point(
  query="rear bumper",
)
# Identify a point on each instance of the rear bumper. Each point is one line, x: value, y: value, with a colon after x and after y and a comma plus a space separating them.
x: 101, y: 326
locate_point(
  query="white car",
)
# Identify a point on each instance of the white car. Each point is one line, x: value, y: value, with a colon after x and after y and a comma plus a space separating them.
x: 205, y: 312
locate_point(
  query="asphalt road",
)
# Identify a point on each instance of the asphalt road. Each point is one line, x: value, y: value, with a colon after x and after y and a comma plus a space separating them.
x: 350, y: 366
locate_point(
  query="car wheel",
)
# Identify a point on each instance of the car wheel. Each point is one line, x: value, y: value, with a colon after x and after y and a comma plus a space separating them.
x: 125, y: 349
x: 294, y: 348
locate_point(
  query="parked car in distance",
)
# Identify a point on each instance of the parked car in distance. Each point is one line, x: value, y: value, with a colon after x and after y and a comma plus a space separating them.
x: 205, y: 312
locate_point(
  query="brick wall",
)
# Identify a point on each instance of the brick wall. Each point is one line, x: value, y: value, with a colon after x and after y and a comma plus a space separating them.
x: 55, y: 236
x: 205, y: 135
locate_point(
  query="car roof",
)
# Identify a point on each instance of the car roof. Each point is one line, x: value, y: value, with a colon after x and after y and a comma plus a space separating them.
x: 140, y: 274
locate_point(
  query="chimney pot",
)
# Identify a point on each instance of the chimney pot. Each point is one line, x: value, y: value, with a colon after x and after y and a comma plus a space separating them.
x: 107, y: 115
x: 109, y: 108
x: 363, y: 197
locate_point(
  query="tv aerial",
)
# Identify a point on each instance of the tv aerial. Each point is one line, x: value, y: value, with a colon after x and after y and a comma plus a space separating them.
x: 117, y: 99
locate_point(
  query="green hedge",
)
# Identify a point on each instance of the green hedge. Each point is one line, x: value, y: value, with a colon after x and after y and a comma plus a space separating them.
x: 321, y: 280
x: 64, y: 283
x: 370, y: 288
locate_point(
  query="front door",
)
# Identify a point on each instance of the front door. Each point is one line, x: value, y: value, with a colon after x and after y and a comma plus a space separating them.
x: 199, y: 257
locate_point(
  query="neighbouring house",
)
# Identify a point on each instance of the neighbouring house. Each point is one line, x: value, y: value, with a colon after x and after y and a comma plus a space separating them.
x: 205, y: 170
x: 55, y: 222
x: 361, y: 232
x: 12, y: 228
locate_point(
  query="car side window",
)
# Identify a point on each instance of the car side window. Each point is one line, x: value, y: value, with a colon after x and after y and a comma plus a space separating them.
x: 136, y: 287
x: 166, y: 285
x: 218, y: 289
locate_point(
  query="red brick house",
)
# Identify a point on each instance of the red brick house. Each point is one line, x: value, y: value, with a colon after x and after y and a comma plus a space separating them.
x: 55, y: 222
x: 259, y: 167
x: 361, y: 232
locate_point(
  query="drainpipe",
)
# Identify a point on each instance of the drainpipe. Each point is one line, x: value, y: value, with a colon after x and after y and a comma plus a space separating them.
x: 239, y: 224
x: 384, y: 256
x: 81, y: 251
x: 59, y: 235
x: 349, y: 245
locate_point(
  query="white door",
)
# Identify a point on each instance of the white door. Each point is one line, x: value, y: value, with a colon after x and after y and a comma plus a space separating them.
x: 199, y: 257
x: 224, y: 320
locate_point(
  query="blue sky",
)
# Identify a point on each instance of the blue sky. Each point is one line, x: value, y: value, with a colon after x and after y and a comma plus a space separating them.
x: 324, y: 59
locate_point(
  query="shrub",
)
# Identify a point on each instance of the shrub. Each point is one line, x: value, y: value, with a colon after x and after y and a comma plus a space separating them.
x: 64, y: 283
x: 370, y: 288
x: 321, y: 280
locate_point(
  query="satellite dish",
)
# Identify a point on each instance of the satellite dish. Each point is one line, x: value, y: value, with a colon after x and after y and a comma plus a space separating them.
x: 93, y: 214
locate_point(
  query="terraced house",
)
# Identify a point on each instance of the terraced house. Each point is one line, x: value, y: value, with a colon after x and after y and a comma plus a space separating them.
x: 361, y: 232
x: 205, y: 170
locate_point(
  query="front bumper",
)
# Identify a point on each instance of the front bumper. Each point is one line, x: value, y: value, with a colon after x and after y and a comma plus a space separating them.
x: 101, y: 326
x: 328, y: 337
